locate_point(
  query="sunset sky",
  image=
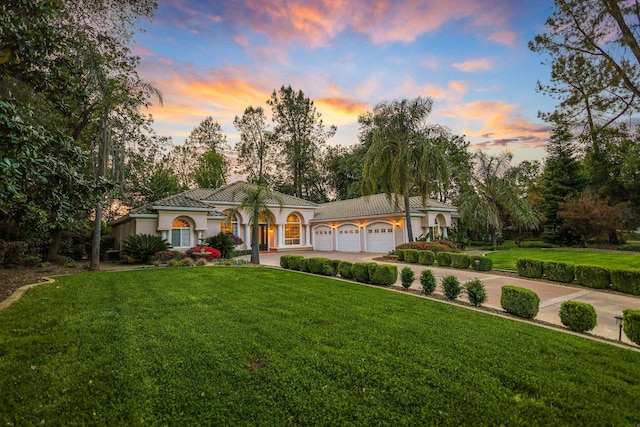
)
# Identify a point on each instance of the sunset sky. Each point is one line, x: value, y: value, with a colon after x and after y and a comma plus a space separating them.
x: 214, y: 58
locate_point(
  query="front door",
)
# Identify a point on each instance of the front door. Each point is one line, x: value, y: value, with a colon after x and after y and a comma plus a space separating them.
x: 263, y: 237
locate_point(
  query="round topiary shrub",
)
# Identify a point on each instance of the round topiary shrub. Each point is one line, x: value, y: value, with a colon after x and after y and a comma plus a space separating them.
x: 428, y: 282
x: 519, y: 301
x: 476, y: 292
x: 443, y: 259
x: 451, y: 287
x: 382, y: 274
x: 407, y: 276
x: 631, y: 324
x: 426, y: 257
x: 578, y: 316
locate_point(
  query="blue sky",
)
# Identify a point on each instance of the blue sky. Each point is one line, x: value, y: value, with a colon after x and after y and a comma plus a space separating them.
x: 214, y: 58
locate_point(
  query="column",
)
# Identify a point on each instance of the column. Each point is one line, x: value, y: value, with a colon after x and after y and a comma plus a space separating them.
x: 247, y: 236
x: 280, y: 236
x: 307, y: 234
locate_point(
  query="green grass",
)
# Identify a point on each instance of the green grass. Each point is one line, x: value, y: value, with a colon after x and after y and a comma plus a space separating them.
x: 506, y: 260
x: 259, y: 346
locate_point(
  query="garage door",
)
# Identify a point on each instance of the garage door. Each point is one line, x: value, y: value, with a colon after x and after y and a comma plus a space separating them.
x: 348, y: 238
x: 322, y: 239
x: 380, y: 238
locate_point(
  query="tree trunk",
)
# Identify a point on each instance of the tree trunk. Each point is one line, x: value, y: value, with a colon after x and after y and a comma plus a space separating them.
x: 255, y: 242
x: 56, y: 238
x: 407, y: 215
x: 95, y: 243
x: 494, y: 237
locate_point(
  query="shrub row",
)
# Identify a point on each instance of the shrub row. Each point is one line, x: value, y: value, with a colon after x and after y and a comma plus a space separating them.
x: 364, y: 272
x: 444, y: 259
x: 440, y: 245
x: 627, y: 281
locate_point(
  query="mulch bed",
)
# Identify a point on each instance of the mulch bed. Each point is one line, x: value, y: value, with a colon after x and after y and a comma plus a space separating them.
x: 11, y: 278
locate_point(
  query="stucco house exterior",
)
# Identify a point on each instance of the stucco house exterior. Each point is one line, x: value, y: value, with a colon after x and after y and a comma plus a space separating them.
x: 366, y: 224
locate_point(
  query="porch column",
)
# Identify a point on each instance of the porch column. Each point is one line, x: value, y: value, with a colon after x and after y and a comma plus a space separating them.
x: 200, y: 235
x: 280, y: 235
x: 163, y: 234
x: 307, y: 234
x: 247, y: 236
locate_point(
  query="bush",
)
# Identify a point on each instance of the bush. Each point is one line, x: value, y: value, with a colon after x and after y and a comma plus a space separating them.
x: 460, y: 261
x: 443, y: 259
x: 345, y: 270
x: 304, y: 265
x: 484, y: 263
x: 593, y: 277
x: 407, y: 276
x: 284, y: 261
x: 31, y: 260
x: 15, y: 252
x: 163, y: 257
x: 428, y: 281
x: 360, y: 272
x: 3, y: 250
x: 531, y: 268
x: 633, y: 248
x: 519, y: 301
x: 426, y: 257
x: 411, y: 255
x: 627, y: 281
x: 318, y: 265
x: 201, y: 262
x: 206, y: 252
x: 440, y: 245
x: 451, y: 287
x: 70, y: 263
x: 223, y: 242
x: 559, y: 271
x: 294, y: 262
x: 400, y: 254
x: 382, y: 274
x: 578, y: 316
x: 187, y: 262
x: 334, y: 265
x: 631, y: 324
x: 141, y: 247
x: 476, y: 292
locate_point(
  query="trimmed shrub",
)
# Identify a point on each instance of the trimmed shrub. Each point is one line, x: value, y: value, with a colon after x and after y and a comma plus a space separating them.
x: 15, y: 252
x: 627, y: 281
x: 360, y: 272
x: 484, y: 263
x: 426, y: 257
x: 304, y: 265
x: 284, y: 261
x: 559, y: 271
x: 318, y: 265
x: 593, y: 277
x: 141, y: 247
x: 382, y: 274
x: 631, y: 324
x: 294, y: 262
x: 632, y: 248
x: 578, y: 316
x: 519, y: 301
x: 440, y: 245
x: 451, y: 287
x: 334, y: 265
x: 476, y: 292
x: 428, y: 282
x: 460, y: 261
x: 411, y: 255
x: 345, y: 270
x: 531, y: 268
x: 443, y: 259
x: 400, y: 254
x: 407, y: 276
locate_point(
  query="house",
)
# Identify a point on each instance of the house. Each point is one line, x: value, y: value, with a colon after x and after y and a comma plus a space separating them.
x: 366, y: 224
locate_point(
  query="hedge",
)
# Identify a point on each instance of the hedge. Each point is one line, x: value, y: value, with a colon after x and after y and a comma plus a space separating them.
x: 627, y: 281
x: 531, y: 268
x: 411, y: 255
x: 382, y: 274
x: 345, y: 270
x: 360, y: 272
x: 440, y: 245
x: 400, y: 254
x: 593, y: 277
x: 284, y: 261
x: 319, y: 265
x: 578, y: 316
x: 294, y: 262
x: 519, y: 301
x: 334, y: 265
x: 631, y: 324
x: 304, y: 265
x: 426, y: 257
x: 460, y: 261
x: 484, y: 263
x: 443, y: 259
x: 559, y: 271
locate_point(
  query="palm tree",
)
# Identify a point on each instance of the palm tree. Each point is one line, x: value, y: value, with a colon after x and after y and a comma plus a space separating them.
x: 494, y: 196
x: 255, y: 199
x: 403, y: 155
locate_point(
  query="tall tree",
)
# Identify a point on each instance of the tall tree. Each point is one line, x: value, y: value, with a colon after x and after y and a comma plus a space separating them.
x: 256, y: 148
x: 301, y: 135
x: 403, y: 156
x: 344, y: 171
x: 212, y: 170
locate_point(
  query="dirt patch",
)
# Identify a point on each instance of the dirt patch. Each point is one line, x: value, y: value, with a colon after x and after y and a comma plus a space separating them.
x: 257, y: 364
x: 11, y: 278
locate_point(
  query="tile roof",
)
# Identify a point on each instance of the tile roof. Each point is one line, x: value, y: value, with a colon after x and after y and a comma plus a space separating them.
x: 231, y: 193
x: 374, y: 205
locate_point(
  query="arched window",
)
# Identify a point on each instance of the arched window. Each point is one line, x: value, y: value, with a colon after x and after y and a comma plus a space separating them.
x: 292, y: 230
x: 181, y: 233
x: 230, y: 225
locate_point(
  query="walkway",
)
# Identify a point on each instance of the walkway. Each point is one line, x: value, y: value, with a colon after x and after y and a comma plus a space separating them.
x: 607, y: 305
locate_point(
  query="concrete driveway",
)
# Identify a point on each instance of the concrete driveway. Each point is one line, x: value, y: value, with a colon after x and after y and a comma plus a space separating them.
x: 607, y: 305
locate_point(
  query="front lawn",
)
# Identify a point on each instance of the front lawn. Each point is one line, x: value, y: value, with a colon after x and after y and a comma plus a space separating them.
x: 506, y: 260
x: 259, y: 346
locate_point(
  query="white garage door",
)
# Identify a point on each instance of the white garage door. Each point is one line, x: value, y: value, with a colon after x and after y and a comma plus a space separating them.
x: 322, y: 239
x: 380, y: 238
x: 348, y: 238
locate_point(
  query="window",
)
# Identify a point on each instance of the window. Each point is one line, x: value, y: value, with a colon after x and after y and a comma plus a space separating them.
x: 181, y: 233
x: 230, y: 226
x: 292, y: 230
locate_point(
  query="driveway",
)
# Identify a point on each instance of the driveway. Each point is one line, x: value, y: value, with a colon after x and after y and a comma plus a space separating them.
x: 607, y: 305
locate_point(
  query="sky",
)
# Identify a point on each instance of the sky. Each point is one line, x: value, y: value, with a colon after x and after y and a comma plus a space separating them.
x: 215, y: 58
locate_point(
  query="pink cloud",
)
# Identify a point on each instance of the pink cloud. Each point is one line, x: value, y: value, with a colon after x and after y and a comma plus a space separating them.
x: 474, y: 65
x: 506, y: 37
